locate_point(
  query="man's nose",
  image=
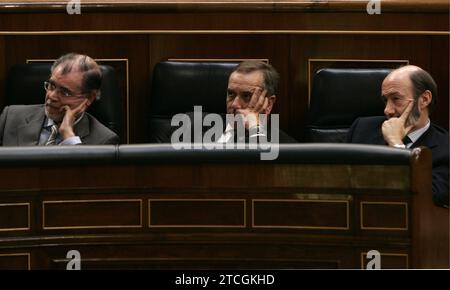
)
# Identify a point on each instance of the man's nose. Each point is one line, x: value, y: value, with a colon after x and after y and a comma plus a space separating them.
x: 52, y: 95
x: 389, y: 109
x: 236, y: 103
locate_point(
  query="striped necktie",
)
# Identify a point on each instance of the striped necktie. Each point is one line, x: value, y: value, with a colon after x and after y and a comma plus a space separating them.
x: 52, y: 138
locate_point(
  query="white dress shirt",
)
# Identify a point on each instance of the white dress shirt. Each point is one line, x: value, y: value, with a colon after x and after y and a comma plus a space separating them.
x: 415, y: 135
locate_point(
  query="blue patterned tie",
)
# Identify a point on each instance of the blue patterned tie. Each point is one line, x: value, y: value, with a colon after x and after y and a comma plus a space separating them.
x: 52, y: 138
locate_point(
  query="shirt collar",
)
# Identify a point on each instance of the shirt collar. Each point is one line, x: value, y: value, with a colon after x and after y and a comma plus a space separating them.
x: 229, y: 128
x: 415, y: 135
x: 227, y: 136
x: 48, y: 122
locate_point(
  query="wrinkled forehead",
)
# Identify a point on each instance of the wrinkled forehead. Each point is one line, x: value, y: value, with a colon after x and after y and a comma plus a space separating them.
x: 72, y: 80
x: 246, y: 80
x: 397, y: 83
x: 66, y: 68
x: 59, y: 71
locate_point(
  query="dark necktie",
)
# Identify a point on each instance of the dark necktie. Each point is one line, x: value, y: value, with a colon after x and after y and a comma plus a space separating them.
x: 52, y: 138
x: 407, y: 140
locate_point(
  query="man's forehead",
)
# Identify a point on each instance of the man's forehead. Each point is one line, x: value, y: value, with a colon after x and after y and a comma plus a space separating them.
x: 71, y: 80
x: 60, y: 71
x: 254, y: 78
x: 399, y: 82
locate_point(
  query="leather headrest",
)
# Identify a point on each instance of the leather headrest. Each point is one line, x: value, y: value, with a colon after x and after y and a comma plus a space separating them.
x: 179, y: 86
x: 339, y: 96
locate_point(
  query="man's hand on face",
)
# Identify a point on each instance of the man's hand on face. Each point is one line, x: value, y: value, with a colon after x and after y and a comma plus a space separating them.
x: 70, y: 116
x: 258, y: 105
x: 395, y: 129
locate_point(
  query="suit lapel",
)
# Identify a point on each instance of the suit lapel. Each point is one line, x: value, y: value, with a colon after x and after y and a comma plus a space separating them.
x: 378, y: 139
x: 426, y: 139
x: 28, y: 133
x: 368, y: 131
x: 82, y: 128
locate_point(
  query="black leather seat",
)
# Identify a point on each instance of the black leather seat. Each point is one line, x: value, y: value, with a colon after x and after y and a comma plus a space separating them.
x: 338, y: 97
x: 25, y: 86
x: 178, y: 86
x: 311, y: 153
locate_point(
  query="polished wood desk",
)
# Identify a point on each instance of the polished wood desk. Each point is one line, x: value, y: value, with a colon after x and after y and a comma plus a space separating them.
x: 296, y: 37
x: 147, y: 207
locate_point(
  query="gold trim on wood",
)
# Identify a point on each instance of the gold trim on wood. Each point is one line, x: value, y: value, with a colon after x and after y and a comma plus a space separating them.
x: 245, y: 32
x: 310, y: 60
x: 385, y: 203
x: 266, y: 60
x: 347, y: 227
x: 27, y: 254
x: 244, y: 225
x: 92, y: 227
x: 127, y: 97
x: 228, y: 6
x: 28, y: 217
x: 363, y: 255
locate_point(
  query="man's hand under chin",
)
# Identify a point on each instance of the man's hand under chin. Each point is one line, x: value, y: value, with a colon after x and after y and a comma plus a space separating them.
x: 395, y: 129
x: 70, y: 116
x: 258, y: 105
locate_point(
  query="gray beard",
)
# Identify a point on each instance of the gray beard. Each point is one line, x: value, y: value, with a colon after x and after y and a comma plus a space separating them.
x: 414, y: 116
x: 49, y: 116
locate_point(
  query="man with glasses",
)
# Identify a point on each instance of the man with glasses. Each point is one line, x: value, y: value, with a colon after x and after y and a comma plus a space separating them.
x: 410, y: 96
x: 251, y: 93
x: 74, y: 84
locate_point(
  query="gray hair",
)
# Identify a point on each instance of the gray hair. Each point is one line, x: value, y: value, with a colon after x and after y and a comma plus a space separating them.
x: 271, y: 76
x: 92, y: 75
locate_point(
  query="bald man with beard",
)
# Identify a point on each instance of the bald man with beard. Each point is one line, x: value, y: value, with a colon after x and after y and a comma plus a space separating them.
x: 410, y: 94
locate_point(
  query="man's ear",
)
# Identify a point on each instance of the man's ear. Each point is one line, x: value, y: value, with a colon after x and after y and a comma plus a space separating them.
x: 92, y: 96
x: 271, y: 102
x: 425, y: 99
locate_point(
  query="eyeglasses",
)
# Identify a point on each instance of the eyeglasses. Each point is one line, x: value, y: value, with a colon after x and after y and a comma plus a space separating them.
x: 245, y: 95
x: 51, y: 86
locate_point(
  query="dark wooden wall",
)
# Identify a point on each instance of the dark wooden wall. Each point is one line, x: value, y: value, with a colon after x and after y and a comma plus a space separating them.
x: 296, y: 38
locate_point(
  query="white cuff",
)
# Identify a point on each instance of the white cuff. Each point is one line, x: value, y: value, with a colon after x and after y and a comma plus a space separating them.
x: 75, y: 140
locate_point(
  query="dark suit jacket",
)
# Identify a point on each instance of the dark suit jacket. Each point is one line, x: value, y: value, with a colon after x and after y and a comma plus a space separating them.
x: 164, y: 135
x: 21, y: 126
x: 368, y: 131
